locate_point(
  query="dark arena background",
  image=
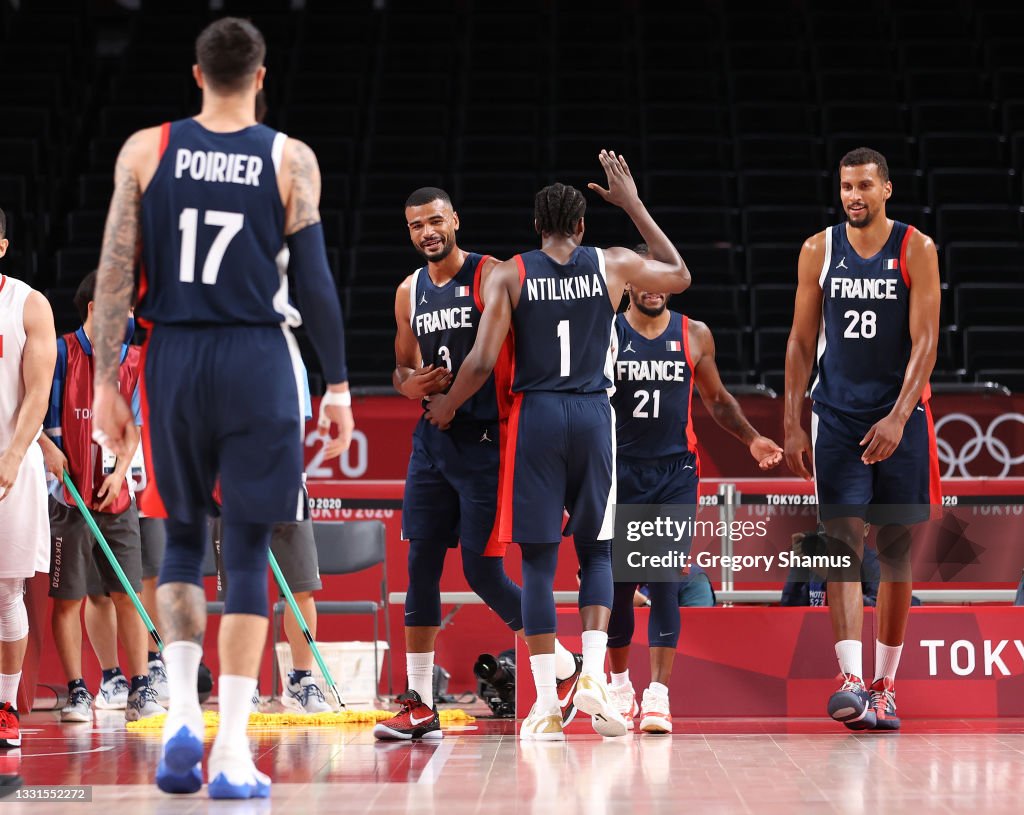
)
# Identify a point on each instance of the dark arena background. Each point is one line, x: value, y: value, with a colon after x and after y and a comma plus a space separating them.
x: 733, y: 117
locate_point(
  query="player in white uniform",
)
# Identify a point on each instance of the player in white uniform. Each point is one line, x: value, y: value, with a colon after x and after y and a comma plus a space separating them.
x: 28, y: 352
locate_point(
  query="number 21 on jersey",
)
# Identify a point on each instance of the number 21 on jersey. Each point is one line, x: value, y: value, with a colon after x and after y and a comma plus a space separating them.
x: 230, y: 224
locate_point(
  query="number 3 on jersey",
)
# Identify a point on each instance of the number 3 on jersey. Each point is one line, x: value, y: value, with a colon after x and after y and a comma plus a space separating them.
x: 230, y: 224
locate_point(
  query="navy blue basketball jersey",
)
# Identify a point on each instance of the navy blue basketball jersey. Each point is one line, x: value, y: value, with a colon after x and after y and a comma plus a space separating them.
x: 864, y: 339
x: 563, y: 323
x: 653, y: 391
x: 212, y: 225
x: 444, y: 320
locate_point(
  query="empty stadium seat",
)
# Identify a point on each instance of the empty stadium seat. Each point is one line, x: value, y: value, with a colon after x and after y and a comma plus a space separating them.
x: 976, y: 262
x: 778, y: 152
x: 780, y: 224
x: 698, y: 224
x: 770, y: 348
x: 771, y: 306
x: 772, y: 262
x: 974, y: 186
x: 962, y: 150
x: 788, y: 187
x: 992, y: 347
x: 978, y: 304
x: 685, y: 188
x: 973, y: 222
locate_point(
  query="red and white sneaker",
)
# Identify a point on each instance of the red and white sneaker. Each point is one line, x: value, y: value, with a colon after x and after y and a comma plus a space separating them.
x: 10, y: 726
x: 414, y: 721
x: 566, y: 690
x: 883, y: 702
x: 624, y: 699
x: 654, y: 712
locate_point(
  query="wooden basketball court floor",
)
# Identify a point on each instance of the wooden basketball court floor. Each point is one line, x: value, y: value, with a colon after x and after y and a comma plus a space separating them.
x: 715, y: 766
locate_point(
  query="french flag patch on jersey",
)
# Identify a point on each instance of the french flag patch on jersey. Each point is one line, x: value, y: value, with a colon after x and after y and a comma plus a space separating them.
x: 673, y: 345
x: 892, y: 264
x: 462, y: 291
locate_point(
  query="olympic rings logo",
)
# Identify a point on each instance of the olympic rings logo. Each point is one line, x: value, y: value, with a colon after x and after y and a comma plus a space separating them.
x: 983, y: 439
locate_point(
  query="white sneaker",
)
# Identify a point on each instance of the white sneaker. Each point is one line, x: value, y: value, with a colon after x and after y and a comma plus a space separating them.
x: 232, y: 774
x: 180, y: 769
x: 113, y: 694
x: 542, y: 725
x: 305, y: 697
x: 655, y: 716
x: 158, y: 681
x: 78, y: 708
x: 142, y: 704
x: 592, y: 697
x: 624, y: 699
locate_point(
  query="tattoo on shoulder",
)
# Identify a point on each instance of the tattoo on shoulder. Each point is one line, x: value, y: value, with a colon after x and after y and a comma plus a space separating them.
x: 304, y: 204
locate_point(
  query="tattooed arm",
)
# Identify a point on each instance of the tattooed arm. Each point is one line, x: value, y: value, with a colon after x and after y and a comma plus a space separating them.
x: 721, y: 404
x: 136, y: 163
x: 315, y: 292
x: 300, y: 186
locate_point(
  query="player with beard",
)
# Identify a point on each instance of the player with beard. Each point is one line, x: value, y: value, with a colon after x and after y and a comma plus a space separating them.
x: 662, y: 354
x: 867, y: 302
x: 452, y: 487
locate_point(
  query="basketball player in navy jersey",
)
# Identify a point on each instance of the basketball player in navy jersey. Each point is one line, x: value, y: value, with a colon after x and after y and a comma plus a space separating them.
x: 661, y: 355
x: 560, y: 302
x: 212, y: 200
x: 451, y: 491
x: 867, y: 311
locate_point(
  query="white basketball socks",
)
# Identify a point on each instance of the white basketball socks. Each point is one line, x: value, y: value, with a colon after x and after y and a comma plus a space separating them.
x: 420, y: 671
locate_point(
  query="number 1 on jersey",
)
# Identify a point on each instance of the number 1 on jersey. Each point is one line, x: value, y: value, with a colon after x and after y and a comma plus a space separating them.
x: 230, y: 224
x: 563, y: 347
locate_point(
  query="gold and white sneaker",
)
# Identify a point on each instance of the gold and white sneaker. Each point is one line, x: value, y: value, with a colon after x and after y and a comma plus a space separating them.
x: 624, y: 699
x: 593, y: 697
x: 542, y: 726
x: 654, y: 713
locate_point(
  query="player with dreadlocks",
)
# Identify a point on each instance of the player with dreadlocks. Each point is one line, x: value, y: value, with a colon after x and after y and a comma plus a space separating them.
x: 560, y: 302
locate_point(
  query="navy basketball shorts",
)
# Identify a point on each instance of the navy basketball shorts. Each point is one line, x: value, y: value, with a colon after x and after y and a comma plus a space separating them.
x: 560, y: 453
x: 451, y: 488
x: 900, y: 489
x: 669, y: 480
x: 228, y: 401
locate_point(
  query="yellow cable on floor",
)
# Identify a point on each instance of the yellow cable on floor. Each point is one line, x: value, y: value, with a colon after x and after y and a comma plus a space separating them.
x: 211, y: 719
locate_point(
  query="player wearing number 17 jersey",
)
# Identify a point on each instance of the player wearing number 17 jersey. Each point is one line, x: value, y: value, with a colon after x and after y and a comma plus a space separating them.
x: 868, y: 299
x: 213, y: 200
x: 560, y: 303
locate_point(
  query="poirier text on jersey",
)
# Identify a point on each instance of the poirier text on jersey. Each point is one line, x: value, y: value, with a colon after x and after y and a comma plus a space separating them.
x: 569, y: 288
x: 214, y: 166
